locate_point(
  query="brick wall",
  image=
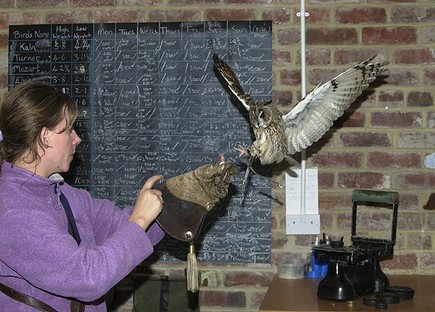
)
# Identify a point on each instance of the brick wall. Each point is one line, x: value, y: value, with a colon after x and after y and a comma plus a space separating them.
x: 384, y: 142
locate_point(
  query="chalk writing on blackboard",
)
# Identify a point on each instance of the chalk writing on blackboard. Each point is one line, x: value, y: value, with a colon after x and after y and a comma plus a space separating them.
x: 151, y: 102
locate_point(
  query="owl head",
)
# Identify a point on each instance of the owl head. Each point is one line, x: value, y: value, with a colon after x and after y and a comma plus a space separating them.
x: 262, y: 116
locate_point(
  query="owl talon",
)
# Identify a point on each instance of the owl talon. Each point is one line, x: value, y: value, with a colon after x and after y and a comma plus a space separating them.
x: 243, y: 151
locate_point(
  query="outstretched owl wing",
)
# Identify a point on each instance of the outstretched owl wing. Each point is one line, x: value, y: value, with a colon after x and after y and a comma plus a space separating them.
x: 232, y: 81
x: 312, y: 117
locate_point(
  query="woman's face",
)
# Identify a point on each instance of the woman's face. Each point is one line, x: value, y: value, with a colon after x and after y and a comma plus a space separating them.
x: 62, y: 146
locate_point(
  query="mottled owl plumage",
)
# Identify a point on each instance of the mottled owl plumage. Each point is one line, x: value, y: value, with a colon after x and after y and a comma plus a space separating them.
x: 279, y: 136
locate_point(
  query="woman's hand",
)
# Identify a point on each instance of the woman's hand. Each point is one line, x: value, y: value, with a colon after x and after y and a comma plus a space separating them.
x: 149, y: 204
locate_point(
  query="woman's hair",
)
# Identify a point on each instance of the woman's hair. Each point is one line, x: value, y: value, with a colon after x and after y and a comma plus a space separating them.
x: 25, y: 111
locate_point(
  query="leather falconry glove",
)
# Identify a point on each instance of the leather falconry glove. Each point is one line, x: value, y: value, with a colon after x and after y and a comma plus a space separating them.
x: 188, y: 199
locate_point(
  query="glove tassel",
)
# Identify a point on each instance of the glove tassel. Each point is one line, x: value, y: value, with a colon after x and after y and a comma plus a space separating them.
x: 192, y: 270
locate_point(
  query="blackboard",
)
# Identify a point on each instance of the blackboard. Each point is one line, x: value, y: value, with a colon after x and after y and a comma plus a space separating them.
x: 151, y: 102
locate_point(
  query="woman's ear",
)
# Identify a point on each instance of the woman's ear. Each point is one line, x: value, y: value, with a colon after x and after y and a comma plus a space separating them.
x: 44, y: 134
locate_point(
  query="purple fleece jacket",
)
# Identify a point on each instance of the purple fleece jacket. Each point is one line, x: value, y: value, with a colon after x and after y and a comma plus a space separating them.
x: 40, y: 258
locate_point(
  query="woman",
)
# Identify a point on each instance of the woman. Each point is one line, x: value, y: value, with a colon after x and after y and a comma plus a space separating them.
x: 38, y: 255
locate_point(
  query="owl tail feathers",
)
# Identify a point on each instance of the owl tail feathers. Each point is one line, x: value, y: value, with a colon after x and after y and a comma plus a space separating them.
x: 292, y: 161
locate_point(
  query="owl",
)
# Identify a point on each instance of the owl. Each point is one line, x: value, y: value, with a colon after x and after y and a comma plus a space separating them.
x: 278, y: 136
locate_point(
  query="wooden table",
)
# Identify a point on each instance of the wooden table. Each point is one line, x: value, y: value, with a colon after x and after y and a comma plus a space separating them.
x: 300, y: 295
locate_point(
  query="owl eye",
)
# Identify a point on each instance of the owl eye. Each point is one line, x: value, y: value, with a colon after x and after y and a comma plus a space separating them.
x: 265, y: 122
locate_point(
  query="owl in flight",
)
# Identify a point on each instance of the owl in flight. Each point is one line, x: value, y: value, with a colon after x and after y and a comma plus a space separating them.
x: 279, y: 136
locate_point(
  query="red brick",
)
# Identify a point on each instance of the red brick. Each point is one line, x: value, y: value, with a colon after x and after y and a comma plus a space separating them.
x: 393, y: 160
x: 304, y: 240
x: 340, y: 160
x: 429, y: 75
x: 281, y: 57
x: 410, y: 220
x: 396, y: 119
x: 389, y: 35
x: 353, y: 56
x: 290, y: 77
x: 364, y: 139
x: 288, y: 36
x: 277, y: 15
x: 4, y: 20
x: 415, y: 180
x: 7, y: 3
x: 351, y: 119
x: 403, y: 77
x: 400, y: 241
x: 112, y: 16
x: 124, y: 3
x: 416, y: 140
x: 391, y: 98
x: 274, y: 222
x: 419, y: 241
x: 24, y: 18
x: 229, y: 14
x: 408, y: 14
x: 282, y: 219
x: 414, y: 56
x: 428, y: 34
x: 331, y: 36
x: 65, y: 16
x: 401, y: 262
x: 360, y: 15
x: 173, y: 15
x: 279, y: 241
x: 344, y: 220
x: 333, y: 201
x: 371, y: 180
x: 326, y: 180
x: 93, y: 3
x: 25, y: 4
x: 369, y: 221
x: 326, y: 220
x: 409, y: 201
x: 315, y: 57
x: 317, y: 16
x: 210, y: 278
x: 427, y: 261
x: 247, y: 278
x: 420, y: 98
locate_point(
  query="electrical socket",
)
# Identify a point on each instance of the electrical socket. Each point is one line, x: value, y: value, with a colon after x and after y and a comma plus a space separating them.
x: 303, y: 224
